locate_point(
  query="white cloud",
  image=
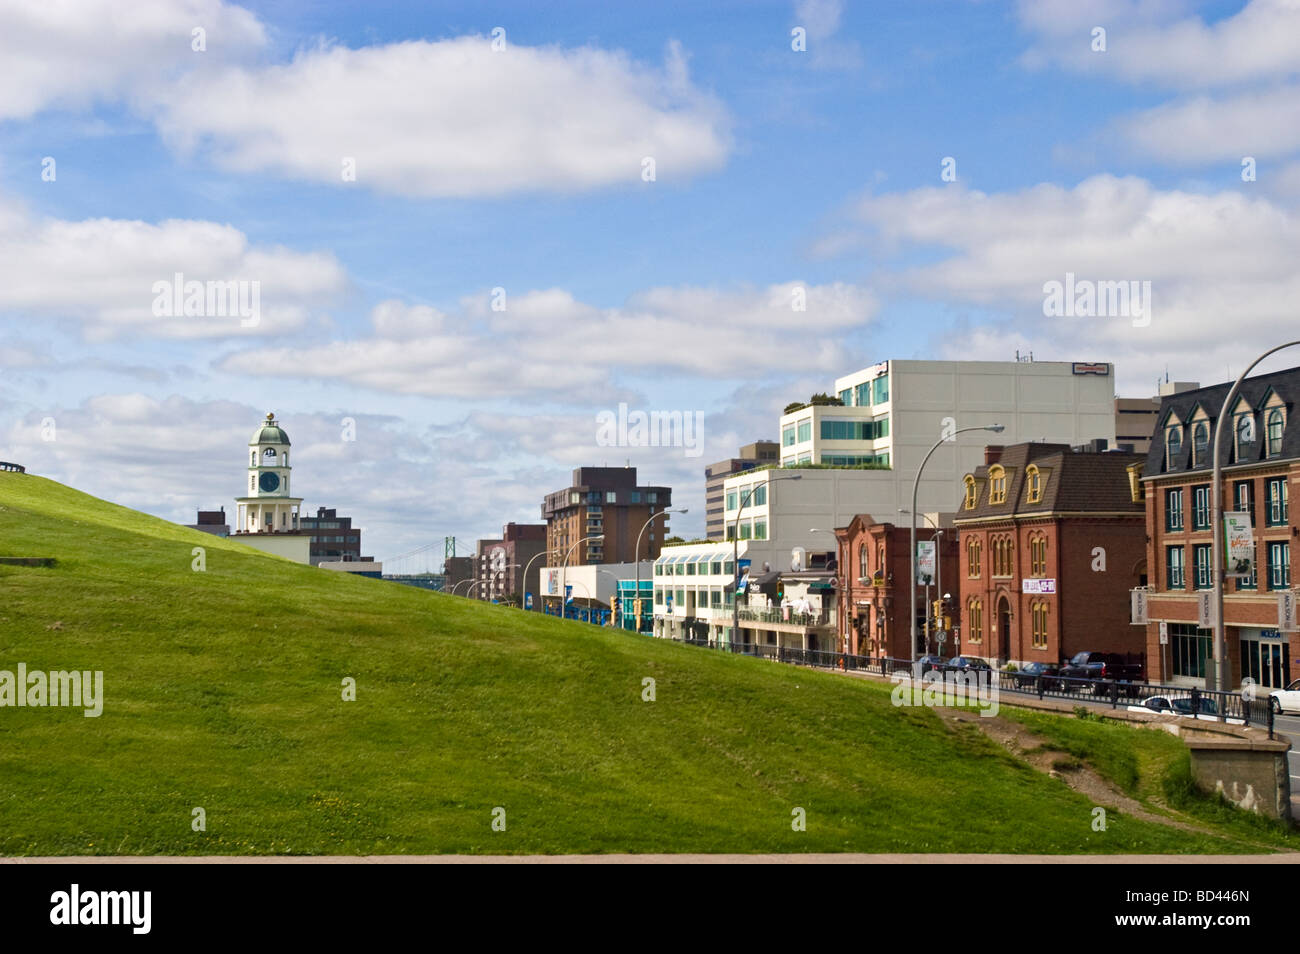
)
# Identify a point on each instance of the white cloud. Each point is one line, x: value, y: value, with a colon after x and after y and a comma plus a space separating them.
x: 1214, y: 261
x: 71, y: 55
x: 1259, y: 123
x: 102, y: 273
x: 547, y: 343
x: 452, y: 117
x: 1154, y: 42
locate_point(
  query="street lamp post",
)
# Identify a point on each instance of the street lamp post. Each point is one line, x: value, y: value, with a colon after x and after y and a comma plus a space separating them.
x: 461, y: 583
x: 735, y: 553
x: 1216, y: 523
x: 636, y: 558
x: 916, y: 483
x: 530, y: 566
x: 938, y: 571
x: 564, y: 568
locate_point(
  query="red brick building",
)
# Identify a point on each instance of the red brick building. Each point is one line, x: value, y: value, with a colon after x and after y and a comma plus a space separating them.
x: 1260, y: 456
x: 1052, y: 542
x: 874, y: 566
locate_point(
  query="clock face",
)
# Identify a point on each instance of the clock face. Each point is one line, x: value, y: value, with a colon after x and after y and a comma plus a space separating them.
x: 269, y: 482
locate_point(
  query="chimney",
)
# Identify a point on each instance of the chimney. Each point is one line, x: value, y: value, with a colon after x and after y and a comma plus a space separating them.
x: 992, y: 454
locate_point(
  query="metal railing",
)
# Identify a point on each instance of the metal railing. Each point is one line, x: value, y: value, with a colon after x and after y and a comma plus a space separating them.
x: 779, y: 616
x: 1193, y: 702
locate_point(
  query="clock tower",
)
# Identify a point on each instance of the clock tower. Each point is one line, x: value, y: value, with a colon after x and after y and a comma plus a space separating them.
x: 268, y: 508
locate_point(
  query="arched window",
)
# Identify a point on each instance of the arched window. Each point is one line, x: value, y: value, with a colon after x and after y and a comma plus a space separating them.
x: 1244, y: 432
x: 1173, y: 444
x: 862, y: 562
x: 268, y: 457
x: 252, y: 458
x: 1033, y: 484
x: 970, y: 492
x: 973, y: 553
x: 974, y: 621
x: 997, y: 484
x: 1038, y: 556
x: 1275, y: 423
x: 1200, y: 443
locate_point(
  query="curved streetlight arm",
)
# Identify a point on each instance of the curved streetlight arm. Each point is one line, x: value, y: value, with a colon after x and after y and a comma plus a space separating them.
x: 735, y: 552
x: 530, y: 566
x: 1219, y: 570
x: 636, y: 557
x: 564, y: 569
x: 916, y: 484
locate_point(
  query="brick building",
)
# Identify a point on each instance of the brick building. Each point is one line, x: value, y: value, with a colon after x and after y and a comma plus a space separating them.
x: 605, y: 500
x: 1260, y: 456
x: 457, y: 570
x: 332, y: 537
x: 1052, y: 543
x: 874, y: 566
x: 501, y: 563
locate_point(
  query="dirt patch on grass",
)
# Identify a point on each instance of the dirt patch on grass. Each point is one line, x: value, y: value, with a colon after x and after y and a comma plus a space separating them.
x: 1039, y: 754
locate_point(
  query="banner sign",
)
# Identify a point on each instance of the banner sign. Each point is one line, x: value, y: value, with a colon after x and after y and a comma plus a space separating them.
x: 1286, y: 611
x: 552, y: 582
x: 742, y: 571
x: 528, y: 601
x: 1138, y: 614
x: 1239, y: 545
x: 925, y: 561
x: 568, y: 593
x: 1164, y: 633
x: 1205, y: 608
x: 1038, y: 586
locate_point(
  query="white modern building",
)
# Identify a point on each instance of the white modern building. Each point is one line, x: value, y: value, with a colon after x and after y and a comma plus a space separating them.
x: 894, y: 413
x: 597, y: 582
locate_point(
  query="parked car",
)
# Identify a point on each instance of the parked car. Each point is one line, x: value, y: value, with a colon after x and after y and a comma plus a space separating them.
x: 1027, y: 675
x: 1182, y: 706
x: 1286, y: 700
x: 930, y: 664
x: 966, y: 664
x: 1098, y: 666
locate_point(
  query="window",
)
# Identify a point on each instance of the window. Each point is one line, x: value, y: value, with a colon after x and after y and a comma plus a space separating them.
x: 862, y: 562
x: 1038, y: 556
x: 846, y: 396
x: 1243, y: 498
x: 1038, y: 615
x: 973, y: 549
x: 715, y: 597
x: 1174, y: 568
x: 731, y: 499
x: 1275, y: 422
x: 997, y: 484
x: 652, y: 496
x: 759, y: 497
x: 880, y: 389
x: 1250, y: 582
x: 844, y: 429
x: 745, y: 531
x: 690, y: 569
x: 635, y: 497
x: 575, y: 497
x: 970, y: 492
x: 805, y: 431
x: 855, y: 460
x: 760, y: 529
x: 1190, y: 649
x: 1033, y: 484
x: 1201, y: 507
x: 1204, y: 576
x: 1277, y: 502
x: 975, y: 621
x: 1200, y: 443
x: 1174, y: 509
x: 862, y: 394
x: 804, y: 459
x: 1244, y: 432
x: 1279, y: 566
x: 787, y: 435
x: 1173, y: 445
x: 659, y: 596
x: 1003, y: 556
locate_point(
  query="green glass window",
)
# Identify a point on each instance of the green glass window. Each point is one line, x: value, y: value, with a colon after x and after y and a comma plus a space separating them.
x: 787, y: 435
x: 880, y: 389
x: 805, y: 431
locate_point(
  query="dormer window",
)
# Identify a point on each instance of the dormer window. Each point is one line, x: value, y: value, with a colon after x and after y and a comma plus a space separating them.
x: 1033, y: 484
x: 1243, y: 432
x: 1173, y: 445
x: 1276, y: 424
x: 997, y: 484
x: 1200, y: 443
x: 970, y: 492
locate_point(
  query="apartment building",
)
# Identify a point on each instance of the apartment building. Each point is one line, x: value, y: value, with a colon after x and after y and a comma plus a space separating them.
x: 1260, y: 457
x: 605, y: 502
x: 333, y: 538
x: 499, y: 563
x: 752, y: 455
x: 1053, y: 539
x: 1135, y: 418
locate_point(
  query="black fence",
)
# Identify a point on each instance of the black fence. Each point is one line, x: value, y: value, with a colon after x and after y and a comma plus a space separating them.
x: 1193, y: 702
x: 16, y: 468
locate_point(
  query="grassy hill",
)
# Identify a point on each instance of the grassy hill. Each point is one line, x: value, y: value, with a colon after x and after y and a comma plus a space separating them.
x: 223, y: 691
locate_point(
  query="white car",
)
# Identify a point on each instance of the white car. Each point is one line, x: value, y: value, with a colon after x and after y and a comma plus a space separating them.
x: 1182, y: 706
x: 1286, y: 700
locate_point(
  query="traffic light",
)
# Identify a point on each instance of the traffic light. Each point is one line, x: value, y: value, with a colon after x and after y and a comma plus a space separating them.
x: 938, y: 609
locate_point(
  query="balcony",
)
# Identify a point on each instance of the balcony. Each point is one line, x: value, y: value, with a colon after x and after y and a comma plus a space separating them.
x: 777, y: 616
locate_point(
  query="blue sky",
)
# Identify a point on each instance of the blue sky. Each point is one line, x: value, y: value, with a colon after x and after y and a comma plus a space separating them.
x: 520, y: 168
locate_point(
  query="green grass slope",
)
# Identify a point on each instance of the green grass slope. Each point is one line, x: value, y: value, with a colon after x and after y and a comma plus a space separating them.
x: 223, y: 691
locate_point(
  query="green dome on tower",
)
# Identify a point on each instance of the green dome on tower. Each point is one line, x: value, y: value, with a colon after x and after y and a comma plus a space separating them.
x: 269, y: 433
